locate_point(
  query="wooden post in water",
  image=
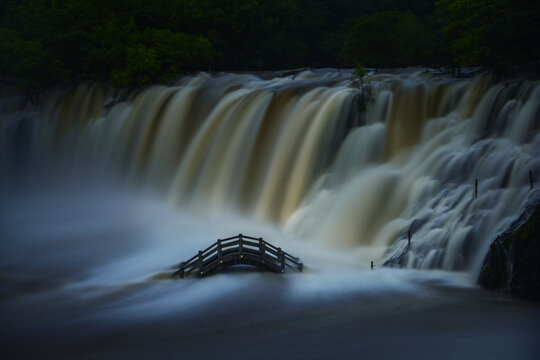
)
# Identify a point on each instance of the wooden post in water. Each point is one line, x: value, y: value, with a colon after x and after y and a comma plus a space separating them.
x: 409, y: 242
x: 531, y: 179
x: 282, y: 259
x: 475, y: 188
x: 372, y: 265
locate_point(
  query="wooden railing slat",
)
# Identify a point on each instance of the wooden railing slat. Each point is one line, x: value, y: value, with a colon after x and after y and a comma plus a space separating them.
x: 230, y: 238
x: 210, y: 247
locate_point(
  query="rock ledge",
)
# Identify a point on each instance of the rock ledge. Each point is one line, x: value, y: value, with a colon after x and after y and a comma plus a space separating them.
x: 512, y: 263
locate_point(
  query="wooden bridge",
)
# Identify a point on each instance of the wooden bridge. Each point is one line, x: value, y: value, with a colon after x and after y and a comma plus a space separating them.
x: 240, y: 249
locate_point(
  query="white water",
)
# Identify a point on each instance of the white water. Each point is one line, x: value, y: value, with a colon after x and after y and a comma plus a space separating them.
x: 297, y: 152
x: 99, y: 202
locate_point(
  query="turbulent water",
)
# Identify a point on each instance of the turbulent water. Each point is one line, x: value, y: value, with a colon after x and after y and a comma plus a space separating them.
x: 104, y: 190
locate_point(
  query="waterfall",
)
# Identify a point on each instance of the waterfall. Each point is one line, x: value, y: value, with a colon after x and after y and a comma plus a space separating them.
x: 326, y: 162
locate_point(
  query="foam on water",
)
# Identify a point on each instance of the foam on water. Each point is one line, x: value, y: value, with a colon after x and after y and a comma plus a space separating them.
x: 106, y: 240
x: 104, y: 191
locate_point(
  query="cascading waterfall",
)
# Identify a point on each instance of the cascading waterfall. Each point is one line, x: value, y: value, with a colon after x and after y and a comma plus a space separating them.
x: 348, y: 167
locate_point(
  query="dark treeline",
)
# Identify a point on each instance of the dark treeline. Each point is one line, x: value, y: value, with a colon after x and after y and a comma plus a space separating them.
x: 137, y: 42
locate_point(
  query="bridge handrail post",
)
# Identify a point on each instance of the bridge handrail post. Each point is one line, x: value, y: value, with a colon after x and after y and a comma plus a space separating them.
x: 262, y: 250
x: 182, y: 268
x: 219, y: 253
x: 241, y: 245
x: 201, y: 263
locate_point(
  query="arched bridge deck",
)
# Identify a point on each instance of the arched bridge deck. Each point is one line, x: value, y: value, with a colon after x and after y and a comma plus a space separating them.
x: 240, y: 249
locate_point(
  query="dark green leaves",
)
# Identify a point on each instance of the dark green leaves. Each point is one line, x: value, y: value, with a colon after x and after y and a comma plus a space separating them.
x: 387, y: 39
x: 497, y: 33
x: 139, y: 42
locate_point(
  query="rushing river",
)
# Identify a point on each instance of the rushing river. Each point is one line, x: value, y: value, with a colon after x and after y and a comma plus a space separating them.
x: 104, y: 191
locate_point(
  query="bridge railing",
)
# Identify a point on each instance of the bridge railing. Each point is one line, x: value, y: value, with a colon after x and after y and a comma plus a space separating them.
x: 239, y: 246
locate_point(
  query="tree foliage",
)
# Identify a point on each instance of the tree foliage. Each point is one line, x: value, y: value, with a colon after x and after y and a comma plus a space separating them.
x: 387, y: 39
x: 137, y: 42
x: 495, y: 33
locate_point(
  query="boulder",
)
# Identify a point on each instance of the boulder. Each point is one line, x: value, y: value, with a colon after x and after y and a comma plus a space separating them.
x: 512, y: 263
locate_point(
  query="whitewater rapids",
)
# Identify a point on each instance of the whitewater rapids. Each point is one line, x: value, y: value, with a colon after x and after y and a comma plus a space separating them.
x: 103, y: 191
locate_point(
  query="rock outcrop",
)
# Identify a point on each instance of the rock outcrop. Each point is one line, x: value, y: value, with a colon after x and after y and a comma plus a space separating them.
x: 512, y: 263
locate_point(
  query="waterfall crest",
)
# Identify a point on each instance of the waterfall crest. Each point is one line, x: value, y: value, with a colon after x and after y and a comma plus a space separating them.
x: 352, y: 168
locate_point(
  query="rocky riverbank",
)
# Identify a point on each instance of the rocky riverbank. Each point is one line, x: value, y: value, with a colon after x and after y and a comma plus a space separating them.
x: 512, y: 264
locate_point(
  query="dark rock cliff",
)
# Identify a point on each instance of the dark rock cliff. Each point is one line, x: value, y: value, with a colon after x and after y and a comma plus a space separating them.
x: 512, y: 263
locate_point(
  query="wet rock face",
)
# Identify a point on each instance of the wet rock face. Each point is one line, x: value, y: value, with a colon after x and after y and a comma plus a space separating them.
x: 513, y: 260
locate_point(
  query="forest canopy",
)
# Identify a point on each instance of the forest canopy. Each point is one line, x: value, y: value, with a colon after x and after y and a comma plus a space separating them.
x: 138, y: 42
